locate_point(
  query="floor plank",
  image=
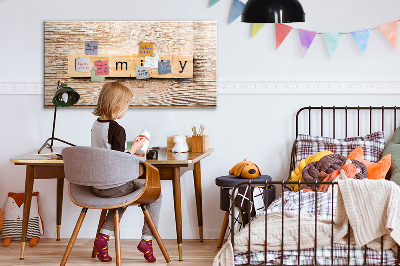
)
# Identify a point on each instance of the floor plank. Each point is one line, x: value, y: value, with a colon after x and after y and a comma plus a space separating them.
x: 50, y: 252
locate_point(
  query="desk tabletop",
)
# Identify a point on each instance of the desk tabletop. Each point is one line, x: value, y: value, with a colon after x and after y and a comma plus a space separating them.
x: 164, y: 157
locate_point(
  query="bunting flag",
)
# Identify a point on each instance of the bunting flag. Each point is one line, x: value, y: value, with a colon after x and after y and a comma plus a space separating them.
x: 332, y: 41
x: 213, y: 2
x: 237, y: 9
x: 256, y: 28
x: 281, y: 31
x: 389, y: 30
x: 306, y: 39
x: 361, y: 37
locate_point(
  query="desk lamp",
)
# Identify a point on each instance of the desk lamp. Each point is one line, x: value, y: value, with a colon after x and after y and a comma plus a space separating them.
x: 65, y: 96
x: 273, y: 11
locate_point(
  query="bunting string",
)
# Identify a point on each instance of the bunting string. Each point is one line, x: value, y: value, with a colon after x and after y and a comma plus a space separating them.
x: 361, y: 37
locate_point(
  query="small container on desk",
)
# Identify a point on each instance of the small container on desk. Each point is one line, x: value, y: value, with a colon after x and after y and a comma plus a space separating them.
x: 200, y: 143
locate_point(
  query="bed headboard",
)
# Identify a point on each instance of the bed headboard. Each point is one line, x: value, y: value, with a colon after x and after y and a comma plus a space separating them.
x: 344, y: 121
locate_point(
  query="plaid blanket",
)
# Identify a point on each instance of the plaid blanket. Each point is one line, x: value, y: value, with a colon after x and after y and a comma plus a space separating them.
x: 322, y: 204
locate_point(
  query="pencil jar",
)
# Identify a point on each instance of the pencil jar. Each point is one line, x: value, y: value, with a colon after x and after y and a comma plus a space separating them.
x: 200, y: 143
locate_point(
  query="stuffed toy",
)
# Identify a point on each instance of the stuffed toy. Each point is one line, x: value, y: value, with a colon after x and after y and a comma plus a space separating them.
x: 245, y: 169
x: 180, y: 144
x: 375, y: 170
x: 296, y: 174
x: 1, y: 219
x: 13, y: 215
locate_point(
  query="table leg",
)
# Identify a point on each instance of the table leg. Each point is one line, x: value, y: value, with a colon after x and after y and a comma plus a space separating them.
x: 199, y: 204
x: 176, y: 183
x: 27, y: 206
x: 60, y: 190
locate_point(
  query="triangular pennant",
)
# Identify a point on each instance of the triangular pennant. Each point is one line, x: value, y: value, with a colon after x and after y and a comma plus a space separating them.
x: 389, y: 30
x: 281, y: 31
x: 237, y: 9
x: 213, y: 2
x: 306, y: 39
x: 361, y: 37
x: 332, y: 41
x: 255, y: 28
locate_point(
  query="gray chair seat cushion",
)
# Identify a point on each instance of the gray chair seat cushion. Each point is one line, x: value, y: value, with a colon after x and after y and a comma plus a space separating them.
x: 83, y: 196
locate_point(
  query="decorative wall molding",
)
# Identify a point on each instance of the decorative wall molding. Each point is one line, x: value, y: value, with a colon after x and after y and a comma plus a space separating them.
x: 21, y: 88
x: 309, y: 87
x: 260, y: 87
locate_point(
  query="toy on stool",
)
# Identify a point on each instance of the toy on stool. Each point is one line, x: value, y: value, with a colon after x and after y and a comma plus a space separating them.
x: 13, y: 215
x: 245, y: 169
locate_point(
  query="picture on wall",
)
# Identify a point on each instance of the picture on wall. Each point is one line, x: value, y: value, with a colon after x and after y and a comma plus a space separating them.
x: 164, y: 63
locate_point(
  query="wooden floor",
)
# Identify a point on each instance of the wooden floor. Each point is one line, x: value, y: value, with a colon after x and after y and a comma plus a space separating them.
x: 50, y: 252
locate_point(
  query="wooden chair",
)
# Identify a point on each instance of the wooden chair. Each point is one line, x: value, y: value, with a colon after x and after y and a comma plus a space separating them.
x: 85, y: 167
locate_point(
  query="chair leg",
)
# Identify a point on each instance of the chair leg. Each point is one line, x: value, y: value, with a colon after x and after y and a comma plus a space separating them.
x: 154, y: 230
x: 223, y: 229
x: 117, y: 239
x: 101, y: 222
x: 73, y: 237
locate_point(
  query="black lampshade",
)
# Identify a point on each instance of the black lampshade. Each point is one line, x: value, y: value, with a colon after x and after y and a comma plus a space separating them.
x: 65, y: 96
x: 273, y: 11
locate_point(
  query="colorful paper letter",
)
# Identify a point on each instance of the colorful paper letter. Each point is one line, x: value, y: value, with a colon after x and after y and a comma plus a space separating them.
x: 151, y: 62
x: 361, y: 38
x: 256, y: 27
x: 281, y: 31
x: 102, y: 67
x: 237, y: 9
x: 82, y: 64
x: 332, y: 41
x: 142, y: 72
x: 390, y: 32
x: 95, y: 78
x: 145, y: 49
x: 164, y: 67
x: 91, y: 48
x: 213, y: 2
x: 306, y: 39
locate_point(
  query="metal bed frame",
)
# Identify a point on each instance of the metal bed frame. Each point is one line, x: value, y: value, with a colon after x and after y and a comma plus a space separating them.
x: 283, y: 184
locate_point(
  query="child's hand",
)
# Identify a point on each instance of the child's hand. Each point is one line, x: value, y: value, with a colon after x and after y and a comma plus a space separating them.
x: 142, y: 155
x: 137, y: 144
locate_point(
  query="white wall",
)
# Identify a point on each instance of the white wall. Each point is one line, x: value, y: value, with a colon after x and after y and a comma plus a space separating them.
x: 259, y: 127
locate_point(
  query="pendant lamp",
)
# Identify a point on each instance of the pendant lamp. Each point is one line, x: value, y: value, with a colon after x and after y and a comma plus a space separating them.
x: 273, y: 11
x: 64, y: 96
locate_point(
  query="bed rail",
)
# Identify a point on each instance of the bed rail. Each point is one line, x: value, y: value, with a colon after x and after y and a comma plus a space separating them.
x: 265, y: 185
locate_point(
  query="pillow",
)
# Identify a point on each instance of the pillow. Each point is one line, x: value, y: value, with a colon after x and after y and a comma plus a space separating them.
x: 372, y: 144
x: 375, y: 170
x: 393, y: 148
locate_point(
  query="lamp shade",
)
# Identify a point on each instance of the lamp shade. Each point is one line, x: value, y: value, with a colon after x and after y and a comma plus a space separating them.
x: 65, y: 96
x: 273, y: 11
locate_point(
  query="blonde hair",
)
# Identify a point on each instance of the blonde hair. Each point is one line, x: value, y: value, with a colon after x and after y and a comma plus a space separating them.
x: 114, y: 96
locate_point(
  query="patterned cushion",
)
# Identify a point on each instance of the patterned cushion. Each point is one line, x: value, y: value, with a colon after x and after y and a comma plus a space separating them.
x: 372, y: 144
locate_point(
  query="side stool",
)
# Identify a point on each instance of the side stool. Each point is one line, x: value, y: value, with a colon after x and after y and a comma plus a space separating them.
x: 228, y: 182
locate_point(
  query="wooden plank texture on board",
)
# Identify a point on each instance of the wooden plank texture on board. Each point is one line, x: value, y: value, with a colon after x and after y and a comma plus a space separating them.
x: 183, y: 38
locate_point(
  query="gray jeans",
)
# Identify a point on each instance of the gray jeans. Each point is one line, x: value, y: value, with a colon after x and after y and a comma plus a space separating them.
x: 154, y: 208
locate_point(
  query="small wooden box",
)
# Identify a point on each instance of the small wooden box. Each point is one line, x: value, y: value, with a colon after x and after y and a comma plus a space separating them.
x: 171, y: 143
x: 200, y: 143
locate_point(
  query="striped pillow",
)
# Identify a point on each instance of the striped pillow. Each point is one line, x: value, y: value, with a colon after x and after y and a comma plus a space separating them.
x: 372, y: 145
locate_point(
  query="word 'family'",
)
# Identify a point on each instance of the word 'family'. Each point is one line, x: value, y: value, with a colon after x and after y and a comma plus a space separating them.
x: 169, y: 66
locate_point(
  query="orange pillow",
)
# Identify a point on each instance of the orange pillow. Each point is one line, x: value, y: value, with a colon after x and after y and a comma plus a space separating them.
x: 375, y: 170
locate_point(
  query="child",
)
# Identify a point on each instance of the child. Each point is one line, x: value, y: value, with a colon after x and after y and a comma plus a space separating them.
x: 106, y: 133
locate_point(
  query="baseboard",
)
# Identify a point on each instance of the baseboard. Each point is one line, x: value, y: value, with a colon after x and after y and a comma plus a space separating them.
x: 257, y: 87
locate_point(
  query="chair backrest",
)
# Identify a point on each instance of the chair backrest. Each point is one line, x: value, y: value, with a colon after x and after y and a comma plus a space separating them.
x: 92, y: 166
